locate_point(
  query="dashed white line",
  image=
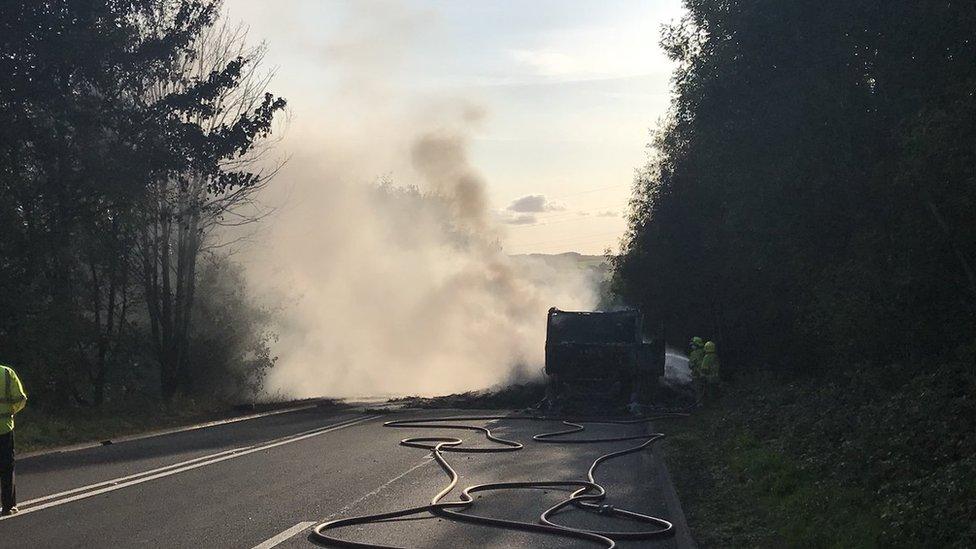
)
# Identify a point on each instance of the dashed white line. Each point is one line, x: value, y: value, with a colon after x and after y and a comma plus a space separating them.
x: 286, y: 535
x: 381, y: 488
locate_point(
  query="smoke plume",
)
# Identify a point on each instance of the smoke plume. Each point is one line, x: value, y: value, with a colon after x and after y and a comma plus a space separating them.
x: 383, y: 255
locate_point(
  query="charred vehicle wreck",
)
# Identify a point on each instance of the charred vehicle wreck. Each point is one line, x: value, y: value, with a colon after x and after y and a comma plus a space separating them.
x: 599, y: 362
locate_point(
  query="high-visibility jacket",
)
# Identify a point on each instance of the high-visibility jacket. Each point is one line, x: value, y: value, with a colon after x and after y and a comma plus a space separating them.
x: 12, y: 398
x: 710, y: 364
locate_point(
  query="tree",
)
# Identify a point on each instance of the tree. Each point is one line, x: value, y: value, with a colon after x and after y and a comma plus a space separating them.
x: 73, y: 164
x: 810, y: 199
x: 214, y: 115
x: 128, y: 130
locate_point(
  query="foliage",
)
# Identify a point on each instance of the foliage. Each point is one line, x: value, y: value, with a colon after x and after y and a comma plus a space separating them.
x: 211, y: 114
x: 116, y: 139
x: 40, y: 428
x: 809, y: 205
x: 860, y: 461
x: 811, y: 193
x: 231, y: 342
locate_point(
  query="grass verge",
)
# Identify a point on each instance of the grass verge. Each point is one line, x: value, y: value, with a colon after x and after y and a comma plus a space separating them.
x: 40, y: 429
x: 739, y: 490
x: 854, y: 460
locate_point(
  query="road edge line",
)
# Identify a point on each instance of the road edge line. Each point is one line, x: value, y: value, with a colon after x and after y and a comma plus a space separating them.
x: 118, y: 480
x: 161, y: 432
x: 113, y: 485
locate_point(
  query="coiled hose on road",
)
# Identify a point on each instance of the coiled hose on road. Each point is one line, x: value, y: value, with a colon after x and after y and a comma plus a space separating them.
x: 588, y: 493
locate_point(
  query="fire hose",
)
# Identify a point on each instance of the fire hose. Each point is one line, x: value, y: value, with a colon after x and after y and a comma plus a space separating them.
x: 588, y: 494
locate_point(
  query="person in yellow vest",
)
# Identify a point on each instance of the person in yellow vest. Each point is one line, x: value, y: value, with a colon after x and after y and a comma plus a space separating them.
x: 710, y: 368
x: 12, y: 400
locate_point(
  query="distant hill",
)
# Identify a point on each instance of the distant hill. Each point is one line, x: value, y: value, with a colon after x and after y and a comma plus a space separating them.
x: 567, y: 259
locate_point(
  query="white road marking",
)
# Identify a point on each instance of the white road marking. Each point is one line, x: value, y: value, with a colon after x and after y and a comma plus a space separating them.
x: 125, y: 478
x: 286, y: 535
x: 163, y: 432
x: 380, y: 488
x: 189, y: 465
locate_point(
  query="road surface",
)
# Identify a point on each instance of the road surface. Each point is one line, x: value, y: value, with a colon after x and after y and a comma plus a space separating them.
x: 264, y: 482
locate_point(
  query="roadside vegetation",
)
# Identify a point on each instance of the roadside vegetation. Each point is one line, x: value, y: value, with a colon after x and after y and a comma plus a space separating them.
x: 41, y: 429
x: 860, y: 460
x: 808, y: 205
x: 134, y: 136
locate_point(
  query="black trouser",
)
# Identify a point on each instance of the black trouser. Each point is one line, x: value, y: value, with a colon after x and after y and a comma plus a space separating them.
x: 7, y: 489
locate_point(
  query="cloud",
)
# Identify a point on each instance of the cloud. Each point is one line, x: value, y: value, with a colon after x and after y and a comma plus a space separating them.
x: 534, y: 203
x: 590, y: 53
x: 547, y: 62
x: 608, y: 213
x: 521, y: 219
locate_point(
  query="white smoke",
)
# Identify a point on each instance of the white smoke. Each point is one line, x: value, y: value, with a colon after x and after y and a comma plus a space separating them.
x: 384, y: 290
x: 677, y: 368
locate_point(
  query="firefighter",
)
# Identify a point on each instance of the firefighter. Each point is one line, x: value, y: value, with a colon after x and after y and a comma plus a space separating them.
x: 12, y: 400
x: 710, y: 368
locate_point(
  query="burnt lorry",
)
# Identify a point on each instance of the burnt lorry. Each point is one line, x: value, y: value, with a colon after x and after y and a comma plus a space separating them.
x: 599, y: 362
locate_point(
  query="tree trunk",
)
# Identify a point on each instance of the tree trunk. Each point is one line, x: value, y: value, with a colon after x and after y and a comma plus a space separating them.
x: 170, y: 279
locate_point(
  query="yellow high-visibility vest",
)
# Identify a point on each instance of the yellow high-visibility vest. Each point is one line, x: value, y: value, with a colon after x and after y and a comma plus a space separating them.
x: 13, y: 399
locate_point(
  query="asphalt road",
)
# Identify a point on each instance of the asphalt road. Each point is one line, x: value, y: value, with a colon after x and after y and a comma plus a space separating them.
x: 264, y: 482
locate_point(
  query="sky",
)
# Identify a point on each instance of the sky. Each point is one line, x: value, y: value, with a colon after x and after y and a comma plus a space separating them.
x: 566, y: 93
